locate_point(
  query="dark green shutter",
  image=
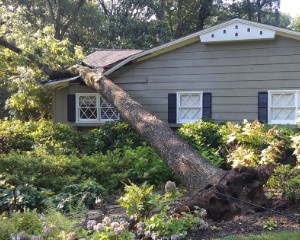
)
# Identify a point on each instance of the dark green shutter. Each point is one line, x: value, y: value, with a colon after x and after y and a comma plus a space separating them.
x: 71, y: 103
x: 172, y: 107
x: 263, y: 107
x: 207, y: 105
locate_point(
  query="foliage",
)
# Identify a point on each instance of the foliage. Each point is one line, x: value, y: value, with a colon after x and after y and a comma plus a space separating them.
x: 16, y: 135
x: 285, y: 180
x: 110, y: 136
x: 139, y: 201
x: 110, y: 229
x: 206, y: 138
x: 54, y: 138
x: 29, y: 100
x: 27, y: 224
x: 85, y: 194
x: 252, y: 144
x: 269, y: 224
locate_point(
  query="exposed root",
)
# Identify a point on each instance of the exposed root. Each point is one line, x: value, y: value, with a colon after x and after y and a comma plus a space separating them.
x: 242, y: 183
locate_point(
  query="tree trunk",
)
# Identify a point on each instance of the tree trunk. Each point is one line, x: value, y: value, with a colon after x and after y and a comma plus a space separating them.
x: 194, y: 171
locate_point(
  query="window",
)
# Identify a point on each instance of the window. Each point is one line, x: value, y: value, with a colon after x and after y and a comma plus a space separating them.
x: 283, y: 106
x: 92, y: 108
x: 189, y: 106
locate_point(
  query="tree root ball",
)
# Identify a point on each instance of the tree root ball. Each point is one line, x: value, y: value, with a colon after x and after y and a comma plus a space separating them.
x: 226, y: 199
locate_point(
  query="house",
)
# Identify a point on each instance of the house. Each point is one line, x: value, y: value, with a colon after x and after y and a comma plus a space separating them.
x: 233, y: 71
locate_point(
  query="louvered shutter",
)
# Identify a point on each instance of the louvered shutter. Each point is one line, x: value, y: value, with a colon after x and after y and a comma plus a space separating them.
x: 71, y: 103
x: 172, y: 107
x: 263, y: 107
x: 207, y: 105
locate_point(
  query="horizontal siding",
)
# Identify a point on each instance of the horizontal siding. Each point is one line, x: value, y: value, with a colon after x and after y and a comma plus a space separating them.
x: 233, y: 72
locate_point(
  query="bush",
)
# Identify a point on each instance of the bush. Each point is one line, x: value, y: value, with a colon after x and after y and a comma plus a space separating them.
x: 56, y: 138
x: 252, y: 144
x: 118, y: 166
x: 16, y: 135
x: 206, y: 138
x: 110, y: 136
x: 24, y: 136
x: 30, y: 224
x: 285, y: 180
x: 84, y: 194
x: 40, y: 169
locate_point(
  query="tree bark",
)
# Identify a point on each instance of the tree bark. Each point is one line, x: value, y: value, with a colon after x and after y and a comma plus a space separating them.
x: 194, y: 171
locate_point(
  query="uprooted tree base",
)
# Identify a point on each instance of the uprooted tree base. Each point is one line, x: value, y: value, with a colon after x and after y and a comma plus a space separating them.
x: 228, y: 198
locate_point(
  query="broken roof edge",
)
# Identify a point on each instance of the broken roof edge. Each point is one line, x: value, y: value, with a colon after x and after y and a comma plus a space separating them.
x: 194, y: 37
x: 60, y: 82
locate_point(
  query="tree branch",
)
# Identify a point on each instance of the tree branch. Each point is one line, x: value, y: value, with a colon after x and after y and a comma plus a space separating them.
x: 53, y: 74
x: 80, y: 4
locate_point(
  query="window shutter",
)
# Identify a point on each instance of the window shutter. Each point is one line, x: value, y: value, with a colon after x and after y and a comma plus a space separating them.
x: 172, y: 107
x: 71, y: 102
x: 263, y: 107
x: 207, y: 105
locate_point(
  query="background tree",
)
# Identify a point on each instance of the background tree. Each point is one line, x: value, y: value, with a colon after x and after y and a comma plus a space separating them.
x: 29, y: 100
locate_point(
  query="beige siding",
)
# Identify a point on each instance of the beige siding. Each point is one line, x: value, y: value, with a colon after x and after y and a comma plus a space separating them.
x: 233, y: 72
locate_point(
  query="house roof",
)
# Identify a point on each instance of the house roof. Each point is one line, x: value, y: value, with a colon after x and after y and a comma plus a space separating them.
x: 268, y: 31
x: 100, y: 59
x: 104, y: 58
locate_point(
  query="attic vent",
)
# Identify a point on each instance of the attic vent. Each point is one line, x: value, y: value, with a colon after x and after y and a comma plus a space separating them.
x: 261, y: 32
x: 236, y: 27
x: 236, y: 34
x: 248, y: 30
x: 224, y: 31
x: 213, y: 35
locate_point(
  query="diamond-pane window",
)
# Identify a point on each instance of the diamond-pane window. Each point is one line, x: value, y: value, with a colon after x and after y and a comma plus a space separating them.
x: 283, y: 106
x: 189, y: 106
x: 92, y: 108
x: 88, y: 108
x: 107, y: 111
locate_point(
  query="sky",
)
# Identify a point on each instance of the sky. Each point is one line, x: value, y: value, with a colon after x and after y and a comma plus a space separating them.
x: 290, y: 6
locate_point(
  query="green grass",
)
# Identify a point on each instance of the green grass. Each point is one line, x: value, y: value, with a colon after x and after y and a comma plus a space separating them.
x: 269, y: 236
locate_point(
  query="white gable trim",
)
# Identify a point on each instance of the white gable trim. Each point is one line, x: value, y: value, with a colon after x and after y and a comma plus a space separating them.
x: 237, y: 32
x: 188, y: 39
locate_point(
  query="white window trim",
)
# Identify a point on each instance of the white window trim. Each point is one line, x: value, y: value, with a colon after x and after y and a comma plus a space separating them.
x: 178, y: 105
x: 296, y: 105
x: 98, y: 120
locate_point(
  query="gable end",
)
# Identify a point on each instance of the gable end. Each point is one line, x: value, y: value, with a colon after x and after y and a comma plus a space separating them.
x: 237, y: 32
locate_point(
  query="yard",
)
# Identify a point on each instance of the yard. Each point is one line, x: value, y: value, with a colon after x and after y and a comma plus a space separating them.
x: 52, y: 176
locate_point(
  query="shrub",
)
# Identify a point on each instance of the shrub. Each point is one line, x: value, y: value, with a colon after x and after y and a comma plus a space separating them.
x: 40, y: 169
x: 30, y: 224
x: 286, y: 181
x: 110, y: 136
x: 118, y: 166
x: 139, y: 201
x: 84, y: 194
x: 252, y: 144
x: 56, y: 137
x: 16, y: 135
x: 24, y: 136
x: 205, y: 137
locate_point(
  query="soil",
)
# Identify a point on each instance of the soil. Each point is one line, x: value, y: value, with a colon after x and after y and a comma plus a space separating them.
x: 251, y: 223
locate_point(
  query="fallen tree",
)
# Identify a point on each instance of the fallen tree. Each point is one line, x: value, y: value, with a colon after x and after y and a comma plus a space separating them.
x: 194, y: 171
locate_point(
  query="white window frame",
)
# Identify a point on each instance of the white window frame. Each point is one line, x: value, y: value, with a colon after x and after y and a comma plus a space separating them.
x: 270, y: 107
x: 98, y: 119
x: 178, y: 107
